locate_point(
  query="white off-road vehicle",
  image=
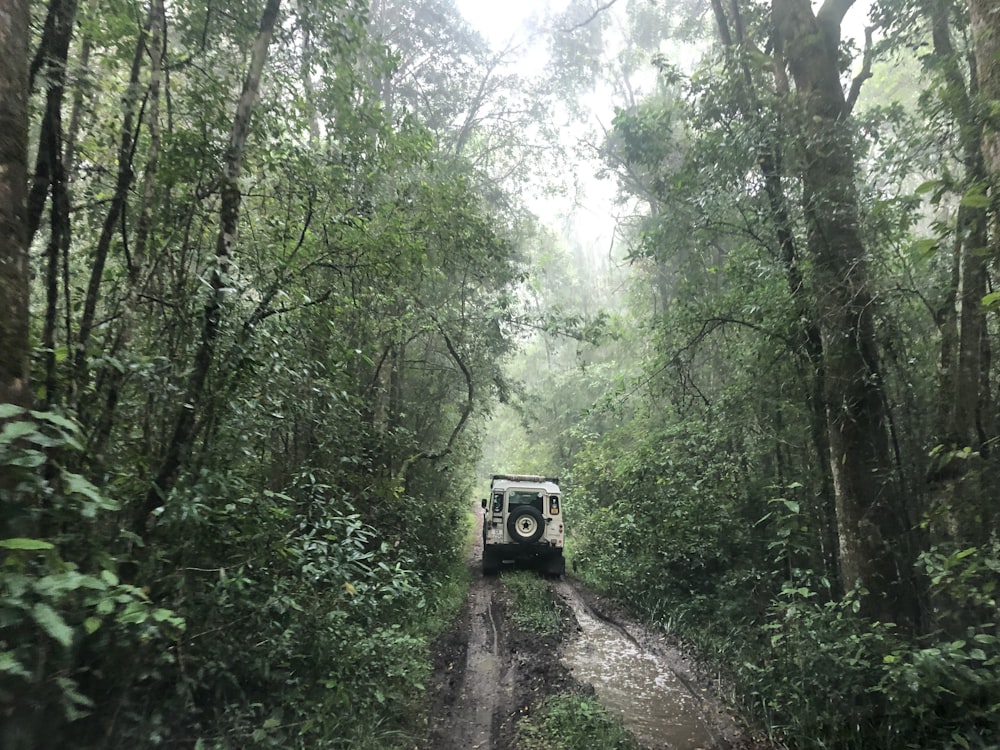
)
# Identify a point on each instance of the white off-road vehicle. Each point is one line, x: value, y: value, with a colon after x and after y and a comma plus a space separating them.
x: 523, y: 522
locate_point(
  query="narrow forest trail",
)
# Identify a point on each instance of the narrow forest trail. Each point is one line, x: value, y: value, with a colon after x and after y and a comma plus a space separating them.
x: 642, y: 678
x: 488, y: 674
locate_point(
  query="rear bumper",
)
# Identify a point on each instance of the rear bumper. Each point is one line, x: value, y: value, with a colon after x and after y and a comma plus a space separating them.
x: 521, y: 552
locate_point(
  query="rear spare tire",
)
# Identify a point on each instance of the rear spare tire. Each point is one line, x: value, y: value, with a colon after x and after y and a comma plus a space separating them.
x: 526, y: 524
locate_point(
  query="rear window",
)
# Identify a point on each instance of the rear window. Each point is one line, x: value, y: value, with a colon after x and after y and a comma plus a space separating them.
x: 524, y: 498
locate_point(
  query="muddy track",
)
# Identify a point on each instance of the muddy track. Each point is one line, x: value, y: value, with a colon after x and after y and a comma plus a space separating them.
x: 488, y: 675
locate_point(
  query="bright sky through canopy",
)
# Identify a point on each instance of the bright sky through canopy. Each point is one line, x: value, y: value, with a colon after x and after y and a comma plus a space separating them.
x: 499, y: 21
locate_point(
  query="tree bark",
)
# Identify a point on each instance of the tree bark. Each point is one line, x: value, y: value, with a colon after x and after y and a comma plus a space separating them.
x: 870, y: 526
x: 20, y: 718
x: 984, y: 16
x: 965, y: 414
x: 964, y: 396
x: 808, y: 339
x: 14, y: 336
x: 52, y: 54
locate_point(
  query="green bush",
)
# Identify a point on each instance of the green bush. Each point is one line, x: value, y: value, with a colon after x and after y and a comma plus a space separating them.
x: 54, y: 611
x: 573, y: 722
x: 534, y: 608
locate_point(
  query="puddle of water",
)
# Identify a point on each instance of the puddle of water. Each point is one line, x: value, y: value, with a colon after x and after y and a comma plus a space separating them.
x: 636, y: 685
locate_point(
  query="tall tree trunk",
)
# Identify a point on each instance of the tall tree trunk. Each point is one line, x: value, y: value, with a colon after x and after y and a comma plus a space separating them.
x: 808, y: 339
x: 182, y: 438
x: 52, y: 54
x: 984, y: 16
x: 21, y: 717
x: 122, y: 185
x: 137, y: 261
x: 869, y: 521
x: 962, y: 320
x: 14, y: 338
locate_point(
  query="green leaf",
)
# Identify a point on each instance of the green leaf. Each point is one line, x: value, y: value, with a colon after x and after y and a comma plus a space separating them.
x: 57, y: 419
x: 91, y: 624
x: 77, y: 485
x: 52, y: 623
x: 25, y: 543
x: 927, y: 246
x: 9, y: 664
x: 10, y: 410
x: 992, y: 300
x: 975, y: 198
x: 30, y: 459
x: 14, y: 430
x: 926, y: 187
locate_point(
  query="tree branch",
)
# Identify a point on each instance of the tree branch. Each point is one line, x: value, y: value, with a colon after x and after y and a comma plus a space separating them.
x: 600, y: 9
x: 864, y: 74
x: 833, y: 11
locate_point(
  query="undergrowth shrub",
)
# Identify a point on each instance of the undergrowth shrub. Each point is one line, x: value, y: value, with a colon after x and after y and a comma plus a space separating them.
x: 807, y: 672
x: 300, y: 617
x: 54, y: 611
x: 573, y: 722
x: 667, y: 529
x: 534, y: 609
x: 946, y: 688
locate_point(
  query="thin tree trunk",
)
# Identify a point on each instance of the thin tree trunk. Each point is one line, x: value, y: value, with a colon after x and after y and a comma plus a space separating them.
x: 182, y: 438
x: 52, y: 54
x: 137, y: 264
x: 76, y: 111
x: 58, y: 246
x: 122, y: 185
x: 14, y: 270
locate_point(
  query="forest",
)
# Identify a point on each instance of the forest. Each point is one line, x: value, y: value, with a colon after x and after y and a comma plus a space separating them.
x: 281, y: 284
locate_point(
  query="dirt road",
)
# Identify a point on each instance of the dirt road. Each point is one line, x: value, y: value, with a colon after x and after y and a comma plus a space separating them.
x: 488, y: 674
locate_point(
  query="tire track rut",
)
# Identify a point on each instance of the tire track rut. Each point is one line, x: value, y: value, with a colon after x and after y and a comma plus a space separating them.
x: 488, y: 675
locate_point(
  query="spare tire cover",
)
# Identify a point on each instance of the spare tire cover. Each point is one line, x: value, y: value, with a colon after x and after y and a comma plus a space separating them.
x: 526, y: 524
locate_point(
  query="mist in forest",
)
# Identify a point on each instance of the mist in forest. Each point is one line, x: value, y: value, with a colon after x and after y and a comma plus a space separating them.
x: 283, y: 283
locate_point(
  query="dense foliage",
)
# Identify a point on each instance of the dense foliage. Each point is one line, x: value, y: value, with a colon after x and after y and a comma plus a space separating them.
x: 793, y: 463
x: 261, y: 266
x: 573, y: 722
x: 269, y: 316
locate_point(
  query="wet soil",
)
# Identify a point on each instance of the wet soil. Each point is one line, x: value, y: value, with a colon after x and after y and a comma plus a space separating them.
x: 488, y: 675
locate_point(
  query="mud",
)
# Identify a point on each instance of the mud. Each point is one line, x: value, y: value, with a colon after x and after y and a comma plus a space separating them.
x: 645, y: 680
x: 488, y: 675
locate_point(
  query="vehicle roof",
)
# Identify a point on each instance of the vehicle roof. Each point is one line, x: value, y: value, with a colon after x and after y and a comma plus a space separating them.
x: 505, y: 481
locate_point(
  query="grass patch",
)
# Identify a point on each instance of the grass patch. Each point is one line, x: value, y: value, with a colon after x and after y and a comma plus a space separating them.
x: 447, y: 593
x: 534, y: 608
x: 573, y: 722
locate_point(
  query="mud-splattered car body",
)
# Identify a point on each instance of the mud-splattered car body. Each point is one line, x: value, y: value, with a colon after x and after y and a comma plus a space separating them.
x: 523, y: 523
